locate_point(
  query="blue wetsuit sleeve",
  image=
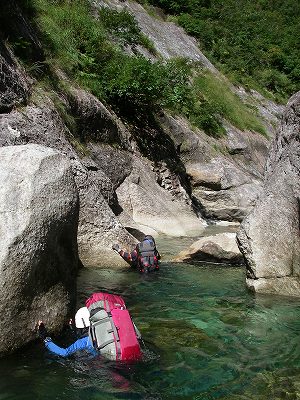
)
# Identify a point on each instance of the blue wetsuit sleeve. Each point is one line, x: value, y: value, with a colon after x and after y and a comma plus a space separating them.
x: 80, y: 344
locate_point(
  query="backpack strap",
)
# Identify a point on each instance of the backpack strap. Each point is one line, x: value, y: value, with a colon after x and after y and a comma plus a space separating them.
x: 115, y: 332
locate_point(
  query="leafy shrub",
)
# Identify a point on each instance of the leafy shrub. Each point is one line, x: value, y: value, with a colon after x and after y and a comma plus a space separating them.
x: 120, y: 24
x: 80, y: 45
x: 247, y: 38
x: 225, y: 103
x: 204, y: 115
x: 273, y: 80
x: 123, y: 26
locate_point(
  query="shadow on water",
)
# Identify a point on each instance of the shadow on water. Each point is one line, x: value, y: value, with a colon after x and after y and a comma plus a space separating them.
x: 206, y: 338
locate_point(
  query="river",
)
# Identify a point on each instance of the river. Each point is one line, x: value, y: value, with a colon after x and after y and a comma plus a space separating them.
x: 205, y: 337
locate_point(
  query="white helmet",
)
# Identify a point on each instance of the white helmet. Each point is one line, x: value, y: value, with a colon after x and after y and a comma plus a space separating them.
x: 82, y: 318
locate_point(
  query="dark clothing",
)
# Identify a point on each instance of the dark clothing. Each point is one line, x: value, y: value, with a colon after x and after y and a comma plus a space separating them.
x: 144, y: 257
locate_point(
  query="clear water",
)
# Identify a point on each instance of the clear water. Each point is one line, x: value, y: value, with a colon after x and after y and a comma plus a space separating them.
x: 206, y: 337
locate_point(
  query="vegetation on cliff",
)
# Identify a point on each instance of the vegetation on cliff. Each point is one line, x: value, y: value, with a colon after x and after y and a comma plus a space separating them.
x: 98, y: 50
x: 257, y: 42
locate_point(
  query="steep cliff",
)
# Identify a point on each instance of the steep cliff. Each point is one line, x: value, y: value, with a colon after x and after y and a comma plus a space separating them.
x: 134, y: 175
x: 38, y: 232
x: 135, y: 172
x: 269, y: 236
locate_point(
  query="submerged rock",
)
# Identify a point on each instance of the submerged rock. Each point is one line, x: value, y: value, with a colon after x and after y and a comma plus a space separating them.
x: 38, y: 247
x: 219, y: 248
x: 269, y: 237
x: 182, y: 333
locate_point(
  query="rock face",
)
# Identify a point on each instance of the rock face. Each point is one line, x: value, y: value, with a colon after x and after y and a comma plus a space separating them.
x: 269, y: 237
x: 98, y: 228
x: 219, y: 248
x: 237, y: 161
x: 152, y: 207
x: 225, y: 175
x: 95, y: 122
x: 224, y: 191
x: 169, y: 39
x: 132, y: 178
x: 38, y: 253
x: 14, y: 85
x: 41, y: 123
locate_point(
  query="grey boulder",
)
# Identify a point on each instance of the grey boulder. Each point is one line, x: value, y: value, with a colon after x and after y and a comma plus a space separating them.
x: 38, y: 247
x: 219, y: 248
x: 269, y: 237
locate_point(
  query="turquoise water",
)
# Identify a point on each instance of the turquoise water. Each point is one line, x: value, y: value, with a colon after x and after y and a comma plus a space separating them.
x: 206, y: 337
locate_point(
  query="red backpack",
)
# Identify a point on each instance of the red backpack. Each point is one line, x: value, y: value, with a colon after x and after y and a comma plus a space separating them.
x: 111, y: 329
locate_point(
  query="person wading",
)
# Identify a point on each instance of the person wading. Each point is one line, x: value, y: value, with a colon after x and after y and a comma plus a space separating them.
x: 145, y: 257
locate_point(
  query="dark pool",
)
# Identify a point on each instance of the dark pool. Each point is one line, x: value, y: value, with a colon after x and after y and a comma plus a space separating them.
x: 206, y: 337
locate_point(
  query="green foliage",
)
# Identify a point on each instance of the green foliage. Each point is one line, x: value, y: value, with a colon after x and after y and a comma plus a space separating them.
x: 204, y: 115
x: 258, y: 39
x: 122, y: 26
x: 91, y: 52
x: 137, y: 82
x: 72, y: 37
x: 220, y: 98
x: 21, y: 45
x: 80, y: 45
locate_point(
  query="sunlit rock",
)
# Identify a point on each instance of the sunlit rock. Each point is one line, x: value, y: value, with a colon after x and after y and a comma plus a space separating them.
x: 38, y: 247
x: 98, y: 227
x: 219, y: 248
x: 153, y: 207
x: 269, y: 237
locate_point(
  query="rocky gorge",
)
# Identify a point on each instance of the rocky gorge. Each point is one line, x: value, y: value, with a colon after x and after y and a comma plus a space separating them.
x: 67, y: 198
x: 269, y: 235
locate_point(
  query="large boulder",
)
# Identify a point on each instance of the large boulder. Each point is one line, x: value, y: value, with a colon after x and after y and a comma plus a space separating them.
x: 95, y: 121
x: 38, y: 246
x: 99, y: 228
x: 269, y: 237
x: 38, y: 122
x: 96, y: 176
x: 224, y: 190
x: 225, y: 174
x: 154, y: 208
x: 219, y: 248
